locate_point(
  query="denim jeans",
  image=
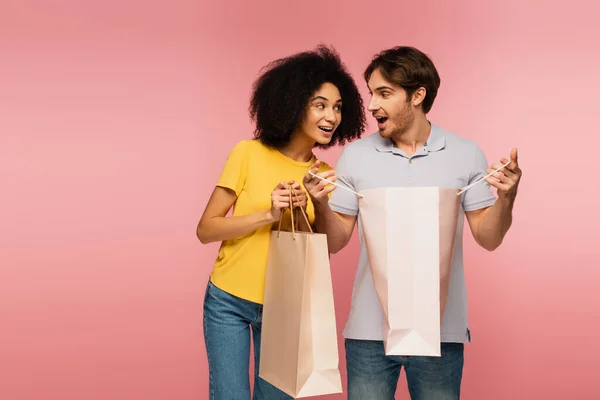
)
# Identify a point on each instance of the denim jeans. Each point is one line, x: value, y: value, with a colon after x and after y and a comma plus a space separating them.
x: 374, y: 376
x: 227, y: 323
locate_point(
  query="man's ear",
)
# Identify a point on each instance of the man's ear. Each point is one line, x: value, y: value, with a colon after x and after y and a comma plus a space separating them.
x: 419, y: 96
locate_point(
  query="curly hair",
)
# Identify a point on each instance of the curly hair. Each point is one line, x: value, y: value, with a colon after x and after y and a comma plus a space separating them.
x: 282, y: 93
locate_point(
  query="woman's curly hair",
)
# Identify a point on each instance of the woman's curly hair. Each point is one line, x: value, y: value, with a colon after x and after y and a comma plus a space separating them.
x: 282, y: 93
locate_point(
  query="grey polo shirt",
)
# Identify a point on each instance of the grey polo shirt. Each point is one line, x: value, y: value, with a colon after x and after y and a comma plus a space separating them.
x: 446, y: 160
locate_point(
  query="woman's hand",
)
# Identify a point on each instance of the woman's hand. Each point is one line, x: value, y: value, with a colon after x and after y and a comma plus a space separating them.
x: 280, y: 198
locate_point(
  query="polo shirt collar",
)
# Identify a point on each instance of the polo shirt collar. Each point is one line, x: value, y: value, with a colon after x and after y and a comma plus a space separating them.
x: 435, y: 142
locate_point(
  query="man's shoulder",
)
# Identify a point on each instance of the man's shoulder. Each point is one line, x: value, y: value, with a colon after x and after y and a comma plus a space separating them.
x: 366, y: 142
x: 457, y: 142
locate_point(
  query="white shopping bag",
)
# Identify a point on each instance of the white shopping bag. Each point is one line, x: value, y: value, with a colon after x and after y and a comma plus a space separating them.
x: 409, y: 235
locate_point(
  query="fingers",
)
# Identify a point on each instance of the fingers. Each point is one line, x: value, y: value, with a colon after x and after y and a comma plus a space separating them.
x: 318, y: 189
x: 280, y: 197
x: 327, y: 174
x: 328, y: 189
x: 296, y: 186
x: 503, y: 175
x: 312, y: 169
x: 300, y: 198
x: 315, y: 167
x: 280, y: 201
x: 511, y: 173
x: 514, y: 157
x: 513, y: 166
x: 505, y: 178
x: 300, y: 204
x: 280, y: 205
x: 309, y: 179
x: 281, y: 185
x: 283, y: 188
x: 498, y: 184
x: 297, y: 189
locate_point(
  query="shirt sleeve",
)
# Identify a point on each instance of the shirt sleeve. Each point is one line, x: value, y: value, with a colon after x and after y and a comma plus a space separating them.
x: 479, y: 196
x: 235, y: 171
x: 343, y: 201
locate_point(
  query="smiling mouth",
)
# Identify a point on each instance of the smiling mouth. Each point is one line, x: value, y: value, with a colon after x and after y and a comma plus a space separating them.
x: 327, y: 129
x: 381, y: 120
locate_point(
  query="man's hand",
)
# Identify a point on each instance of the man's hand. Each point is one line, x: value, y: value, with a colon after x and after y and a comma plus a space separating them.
x: 507, y: 179
x: 490, y: 225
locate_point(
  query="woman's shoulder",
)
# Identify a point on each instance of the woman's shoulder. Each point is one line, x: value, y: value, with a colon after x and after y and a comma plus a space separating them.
x: 248, y: 144
x: 250, y: 147
x: 324, y: 166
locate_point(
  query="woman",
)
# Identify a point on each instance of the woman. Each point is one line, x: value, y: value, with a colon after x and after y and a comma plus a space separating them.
x: 296, y: 105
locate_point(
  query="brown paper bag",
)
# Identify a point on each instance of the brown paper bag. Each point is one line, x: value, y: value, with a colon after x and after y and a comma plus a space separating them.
x: 409, y: 235
x: 299, y: 348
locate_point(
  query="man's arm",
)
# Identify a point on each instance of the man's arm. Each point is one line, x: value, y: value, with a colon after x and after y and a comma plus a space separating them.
x: 490, y: 225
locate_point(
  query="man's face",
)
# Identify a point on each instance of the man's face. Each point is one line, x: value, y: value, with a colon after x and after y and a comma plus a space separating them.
x: 390, y: 106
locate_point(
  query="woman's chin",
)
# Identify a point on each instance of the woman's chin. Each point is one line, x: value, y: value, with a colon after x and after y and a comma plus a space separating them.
x: 324, y: 139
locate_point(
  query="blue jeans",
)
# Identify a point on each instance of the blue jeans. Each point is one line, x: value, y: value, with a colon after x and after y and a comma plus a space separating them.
x: 227, y: 323
x: 374, y: 376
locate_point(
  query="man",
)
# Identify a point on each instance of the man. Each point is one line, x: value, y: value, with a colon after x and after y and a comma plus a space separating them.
x: 409, y: 151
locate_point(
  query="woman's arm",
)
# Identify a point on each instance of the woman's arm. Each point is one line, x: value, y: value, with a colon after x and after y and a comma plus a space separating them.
x: 214, y: 226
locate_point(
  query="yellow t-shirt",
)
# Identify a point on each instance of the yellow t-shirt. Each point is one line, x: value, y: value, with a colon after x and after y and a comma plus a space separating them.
x: 253, y: 170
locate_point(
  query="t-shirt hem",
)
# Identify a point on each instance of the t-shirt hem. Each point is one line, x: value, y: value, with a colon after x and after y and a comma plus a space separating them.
x: 480, y: 204
x: 227, y: 186
x: 343, y: 210
x: 235, y: 293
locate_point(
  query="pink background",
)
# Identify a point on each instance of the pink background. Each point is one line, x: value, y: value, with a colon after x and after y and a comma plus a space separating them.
x: 116, y: 118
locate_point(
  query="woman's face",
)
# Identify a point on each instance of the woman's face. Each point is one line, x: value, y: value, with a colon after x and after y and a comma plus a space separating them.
x: 323, y: 115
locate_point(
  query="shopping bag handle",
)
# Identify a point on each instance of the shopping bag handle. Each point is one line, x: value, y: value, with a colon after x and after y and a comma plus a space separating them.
x: 293, y: 194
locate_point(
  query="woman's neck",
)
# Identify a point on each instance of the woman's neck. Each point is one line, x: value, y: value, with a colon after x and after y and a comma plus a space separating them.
x: 298, y: 149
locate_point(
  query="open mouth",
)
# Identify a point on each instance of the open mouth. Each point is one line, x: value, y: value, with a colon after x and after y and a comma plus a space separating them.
x: 381, y: 120
x: 327, y: 129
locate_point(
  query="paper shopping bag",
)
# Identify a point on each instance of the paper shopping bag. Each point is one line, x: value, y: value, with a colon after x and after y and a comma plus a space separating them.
x: 409, y: 235
x: 299, y: 349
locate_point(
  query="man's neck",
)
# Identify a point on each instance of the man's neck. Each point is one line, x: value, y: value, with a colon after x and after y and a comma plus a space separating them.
x: 414, y: 137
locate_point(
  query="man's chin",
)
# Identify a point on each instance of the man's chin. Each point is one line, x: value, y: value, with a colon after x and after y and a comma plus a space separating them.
x: 385, y: 133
